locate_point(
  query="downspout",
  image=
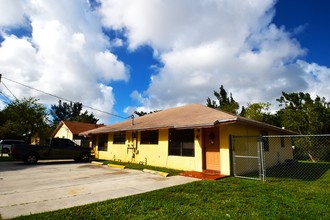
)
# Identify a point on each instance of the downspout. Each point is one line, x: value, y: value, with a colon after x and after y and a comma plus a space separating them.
x: 136, y: 142
x: 133, y: 136
x: 231, y: 156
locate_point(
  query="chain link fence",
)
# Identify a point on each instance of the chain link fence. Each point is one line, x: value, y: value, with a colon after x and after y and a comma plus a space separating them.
x: 248, y: 160
x: 309, y: 161
x: 304, y: 157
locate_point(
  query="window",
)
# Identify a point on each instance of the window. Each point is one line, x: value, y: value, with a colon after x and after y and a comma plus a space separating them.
x: 265, y: 140
x: 119, y: 137
x: 62, y: 143
x: 69, y: 143
x: 103, y: 142
x: 282, y: 142
x: 149, y: 137
x: 181, y: 142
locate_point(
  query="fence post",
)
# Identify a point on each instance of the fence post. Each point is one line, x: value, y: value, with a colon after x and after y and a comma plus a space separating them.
x: 261, y: 154
x: 233, y: 154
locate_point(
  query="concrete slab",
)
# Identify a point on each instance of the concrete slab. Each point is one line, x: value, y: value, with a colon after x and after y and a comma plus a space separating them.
x: 53, y: 185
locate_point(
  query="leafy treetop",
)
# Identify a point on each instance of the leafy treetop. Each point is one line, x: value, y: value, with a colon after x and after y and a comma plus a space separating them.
x: 24, y: 119
x: 70, y: 112
x: 224, y: 103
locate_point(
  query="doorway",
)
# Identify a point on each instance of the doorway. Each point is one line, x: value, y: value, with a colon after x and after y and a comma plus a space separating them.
x: 211, y: 149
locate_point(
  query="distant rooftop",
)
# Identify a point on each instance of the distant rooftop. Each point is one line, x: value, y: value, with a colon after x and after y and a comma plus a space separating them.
x: 76, y: 127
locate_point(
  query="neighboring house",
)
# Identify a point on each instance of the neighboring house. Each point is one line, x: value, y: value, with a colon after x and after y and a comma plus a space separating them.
x: 71, y: 130
x: 192, y: 137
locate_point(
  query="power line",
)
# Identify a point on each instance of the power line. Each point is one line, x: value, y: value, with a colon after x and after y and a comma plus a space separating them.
x: 61, y: 98
x: 4, y: 95
x: 6, y: 88
x: 9, y: 90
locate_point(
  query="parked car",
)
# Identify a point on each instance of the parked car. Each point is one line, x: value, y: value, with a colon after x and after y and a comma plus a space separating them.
x: 5, y: 145
x: 55, y: 148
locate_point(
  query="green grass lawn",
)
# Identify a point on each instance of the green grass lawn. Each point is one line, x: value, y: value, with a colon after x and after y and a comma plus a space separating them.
x: 135, y: 166
x: 229, y: 198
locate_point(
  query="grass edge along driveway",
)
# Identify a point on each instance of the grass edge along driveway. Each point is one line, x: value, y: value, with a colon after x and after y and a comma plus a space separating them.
x: 229, y: 198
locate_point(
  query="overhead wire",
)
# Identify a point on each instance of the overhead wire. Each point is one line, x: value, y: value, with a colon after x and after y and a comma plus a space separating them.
x: 61, y: 98
x: 4, y: 95
x: 9, y: 90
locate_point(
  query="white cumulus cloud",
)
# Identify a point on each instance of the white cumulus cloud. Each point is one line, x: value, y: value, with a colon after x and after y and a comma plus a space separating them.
x: 12, y: 12
x: 208, y: 43
x: 66, y: 53
x: 200, y: 45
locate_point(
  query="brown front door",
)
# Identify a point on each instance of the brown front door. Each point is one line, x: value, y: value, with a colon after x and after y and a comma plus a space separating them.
x: 211, y: 148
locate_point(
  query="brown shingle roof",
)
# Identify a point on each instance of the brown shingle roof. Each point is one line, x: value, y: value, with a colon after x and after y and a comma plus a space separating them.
x: 77, y: 127
x: 194, y: 115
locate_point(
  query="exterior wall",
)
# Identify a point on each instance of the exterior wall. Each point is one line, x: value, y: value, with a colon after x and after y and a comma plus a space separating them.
x: 278, y: 154
x: 225, y: 160
x: 157, y: 154
x: 226, y: 131
x: 114, y: 152
x: 188, y: 163
x: 248, y: 146
x: 64, y: 132
x: 151, y: 154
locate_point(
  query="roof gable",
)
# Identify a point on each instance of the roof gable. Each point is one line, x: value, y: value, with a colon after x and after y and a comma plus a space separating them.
x: 76, y: 127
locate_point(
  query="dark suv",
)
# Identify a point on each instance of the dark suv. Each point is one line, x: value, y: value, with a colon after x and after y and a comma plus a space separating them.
x: 5, y: 145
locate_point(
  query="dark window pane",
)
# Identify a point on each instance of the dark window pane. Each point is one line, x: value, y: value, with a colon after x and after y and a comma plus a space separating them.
x: 174, y: 148
x: 188, y: 145
x: 119, y: 137
x: 282, y: 142
x: 265, y: 140
x: 149, y: 137
x: 56, y: 142
x: 69, y: 143
x: 188, y: 152
x: 181, y: 142
x: 103, y: 142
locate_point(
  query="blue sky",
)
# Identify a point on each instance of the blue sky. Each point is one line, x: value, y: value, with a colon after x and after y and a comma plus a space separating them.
x: 313, y: 18
x: 124, y: 55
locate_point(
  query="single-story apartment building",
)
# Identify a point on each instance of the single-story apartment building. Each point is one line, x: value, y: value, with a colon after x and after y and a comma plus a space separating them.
x: 192, y: 137
x: 71, y: 130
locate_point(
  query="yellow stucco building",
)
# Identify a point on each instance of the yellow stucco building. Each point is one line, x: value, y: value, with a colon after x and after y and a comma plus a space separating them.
x: 191, y: 138
x: 71, y: 130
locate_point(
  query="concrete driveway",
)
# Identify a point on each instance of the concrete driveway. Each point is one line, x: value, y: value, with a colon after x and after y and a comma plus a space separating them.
x: 53, y: 185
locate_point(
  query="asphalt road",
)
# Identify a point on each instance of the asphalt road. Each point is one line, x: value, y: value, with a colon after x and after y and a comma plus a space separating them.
x: 53, y: 185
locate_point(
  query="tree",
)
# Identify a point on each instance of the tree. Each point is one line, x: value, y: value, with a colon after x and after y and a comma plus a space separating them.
x: 257, y: 111
x: 303, y: 114
x: 87, y: 118
x: 24, y: 119
x: 142, y: 113
x: 70, y: 112
x: 225, y: 103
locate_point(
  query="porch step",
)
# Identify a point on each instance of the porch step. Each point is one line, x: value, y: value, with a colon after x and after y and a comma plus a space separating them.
x: 205, y: 175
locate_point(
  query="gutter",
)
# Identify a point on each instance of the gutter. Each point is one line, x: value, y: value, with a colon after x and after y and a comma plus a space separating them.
x: 132, y: 128
x: 225, y: 121
x: 265, y: 125
x: 255, y: 123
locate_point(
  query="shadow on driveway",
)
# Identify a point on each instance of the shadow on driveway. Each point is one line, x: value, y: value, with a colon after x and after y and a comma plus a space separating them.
x: 20, y: 165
